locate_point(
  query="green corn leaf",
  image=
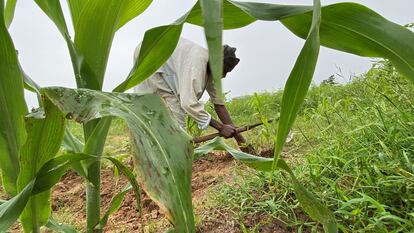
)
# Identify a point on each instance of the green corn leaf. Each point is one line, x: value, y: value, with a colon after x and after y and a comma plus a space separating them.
x: 117, y: 200
x: 58, y: 227
x: 95, y: 28
x: 233, y: 17
x: 299, y: 81
x: 95, y: 24
x: 356, y: 29
x: 162, y: 149
x: 270, y: 12
x: 98, y: 137
x: 159, y: 43
x: 213, y: 28
x: 114, y: 206
x: 54, y: 169
x: 43, y: 142
x: 11, y: 209
x: 94, y: 32
x: 76, y: 7
x: 132, y: 8
x: 71, y: 143
x: 53, y: 10
x: 12, y: 109
x: 157, y: 46
x: 9, y: 12
x: 46, y: 178
x: 309, y: 203
x: 49, y: 174
x: 239, y: 14
x: 30, y: 85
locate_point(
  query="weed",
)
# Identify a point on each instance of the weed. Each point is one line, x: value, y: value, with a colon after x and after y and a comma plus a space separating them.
x: 358, y: 153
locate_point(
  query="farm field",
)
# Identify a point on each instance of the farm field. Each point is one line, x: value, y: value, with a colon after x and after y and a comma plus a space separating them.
x: 99, y: 158
x: 353, y: 148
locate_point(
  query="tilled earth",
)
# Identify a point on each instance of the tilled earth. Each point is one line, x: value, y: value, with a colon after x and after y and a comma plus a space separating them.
x: 69, y: 201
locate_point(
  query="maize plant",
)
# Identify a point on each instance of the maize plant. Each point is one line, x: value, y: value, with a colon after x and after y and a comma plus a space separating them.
x: 29, y: 142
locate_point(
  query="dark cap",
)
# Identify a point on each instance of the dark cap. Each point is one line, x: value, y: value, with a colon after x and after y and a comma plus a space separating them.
x: 229, y: 58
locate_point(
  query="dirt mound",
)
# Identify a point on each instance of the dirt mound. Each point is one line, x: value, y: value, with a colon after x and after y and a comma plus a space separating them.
x: 69, y: 196
x: 69, y: 200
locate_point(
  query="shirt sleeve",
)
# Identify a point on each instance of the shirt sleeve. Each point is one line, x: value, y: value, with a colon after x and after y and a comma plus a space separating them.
x: 211, y: 90
x: 190, y: 86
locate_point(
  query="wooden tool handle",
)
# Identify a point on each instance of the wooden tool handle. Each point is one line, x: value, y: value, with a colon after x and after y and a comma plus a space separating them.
x: 238, y: 130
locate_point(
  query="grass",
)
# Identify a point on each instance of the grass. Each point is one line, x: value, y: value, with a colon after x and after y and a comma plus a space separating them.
x: 355, y: 146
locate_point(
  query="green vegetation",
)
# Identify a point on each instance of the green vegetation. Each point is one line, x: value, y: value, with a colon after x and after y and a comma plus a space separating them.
x: 30, y: 142
x: 353, y: 148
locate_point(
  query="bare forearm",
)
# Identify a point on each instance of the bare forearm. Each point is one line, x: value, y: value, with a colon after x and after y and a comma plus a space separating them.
x: 224, y: 116
x: 215, y: 124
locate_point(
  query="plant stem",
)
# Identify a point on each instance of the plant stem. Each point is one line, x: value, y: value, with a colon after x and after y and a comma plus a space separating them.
x: 95, y: 132
x: 35, y: 218
x: 93, y: 196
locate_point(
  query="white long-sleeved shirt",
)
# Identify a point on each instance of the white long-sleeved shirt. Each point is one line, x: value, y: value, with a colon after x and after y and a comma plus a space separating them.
x: 184, y: 75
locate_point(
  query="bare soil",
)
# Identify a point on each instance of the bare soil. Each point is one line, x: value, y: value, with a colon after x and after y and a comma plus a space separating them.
x: 69, y: 201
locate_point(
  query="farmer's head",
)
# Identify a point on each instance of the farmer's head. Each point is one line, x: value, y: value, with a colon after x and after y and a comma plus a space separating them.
x: 229, y: 59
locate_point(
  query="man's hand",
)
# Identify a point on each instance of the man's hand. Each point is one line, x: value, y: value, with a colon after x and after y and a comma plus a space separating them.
x: 227, y: 131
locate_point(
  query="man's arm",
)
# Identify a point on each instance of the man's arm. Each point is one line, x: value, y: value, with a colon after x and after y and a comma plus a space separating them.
x: 224, y: 116
x: 226, y: 130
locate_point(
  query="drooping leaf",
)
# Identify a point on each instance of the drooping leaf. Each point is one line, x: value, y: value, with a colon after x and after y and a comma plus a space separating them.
x: 294, y: 94
x: 70, y: 142
x: 213, y: 28
x: 159, y: 43
x: 299, y: 80
x: 12, y: 109
x: 309, y: 203
x: 9, y: 12
x: 162, y: 149
x: 239, y: 14
x: 356, y: 29
x: 43, y: 142
x: 233, y: 17
x: 270, y: 12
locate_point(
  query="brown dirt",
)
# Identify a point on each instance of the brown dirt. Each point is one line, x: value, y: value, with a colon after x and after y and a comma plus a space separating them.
x: 69, y: 201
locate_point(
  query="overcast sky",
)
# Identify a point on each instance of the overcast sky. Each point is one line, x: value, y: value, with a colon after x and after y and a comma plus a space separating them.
x: 267, y: 50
